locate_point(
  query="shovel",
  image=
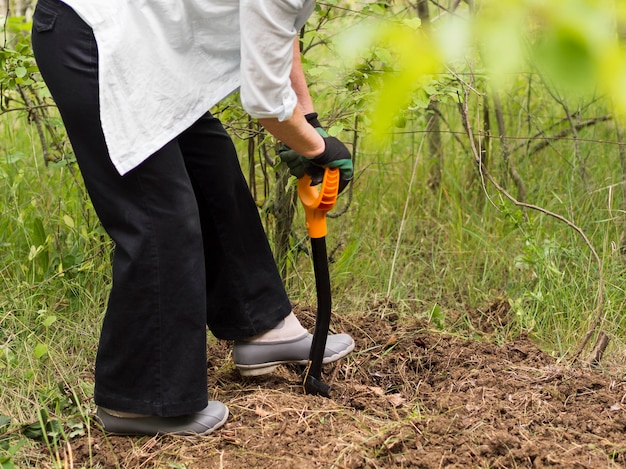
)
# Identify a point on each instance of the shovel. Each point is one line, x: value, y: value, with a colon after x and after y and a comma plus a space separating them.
x: 317, y: 200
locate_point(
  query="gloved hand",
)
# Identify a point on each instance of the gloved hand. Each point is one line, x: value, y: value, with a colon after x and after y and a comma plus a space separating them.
x: 335, y: 155
x: 294, y: 160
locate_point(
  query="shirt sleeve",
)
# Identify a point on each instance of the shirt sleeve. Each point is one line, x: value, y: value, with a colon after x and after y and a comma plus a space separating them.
x: 268, y: 28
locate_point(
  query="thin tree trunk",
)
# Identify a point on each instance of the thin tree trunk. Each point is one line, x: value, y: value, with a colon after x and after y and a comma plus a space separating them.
x: 509, y: 167
x: 435, y: 149
x: 486, y: 140
x: 284, y: 209
x: 433, y: 129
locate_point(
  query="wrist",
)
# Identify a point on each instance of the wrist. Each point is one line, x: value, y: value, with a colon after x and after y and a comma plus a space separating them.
x: 316, y: 147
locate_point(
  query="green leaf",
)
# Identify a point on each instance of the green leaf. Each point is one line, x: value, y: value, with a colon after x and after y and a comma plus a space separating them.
x: 438, y: 316
x: 34, y: 251
x: 394, y: 94
x: 68, y: 221
x: 11, y: 158
x: 76, y: 429
x: 413, y: 23
x: 49, y: 320
x: 38, y: 232
x: 40, y: 350
x: 44, y: 428
x: 33, y: 431
x: 18, y: 24
x: 4, y: 421
x: 6, y: 462
x: 20, y: 72
x: 335, y: 129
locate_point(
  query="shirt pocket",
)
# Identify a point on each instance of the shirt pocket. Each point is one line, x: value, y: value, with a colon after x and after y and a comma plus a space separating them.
x: 44, y: 17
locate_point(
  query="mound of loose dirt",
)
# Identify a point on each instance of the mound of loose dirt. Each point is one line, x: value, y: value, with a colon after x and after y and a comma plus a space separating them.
x: 406, y: 397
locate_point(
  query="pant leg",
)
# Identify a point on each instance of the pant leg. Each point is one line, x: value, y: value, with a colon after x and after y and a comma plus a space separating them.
x: 152, y: 352
x: 245, y: 294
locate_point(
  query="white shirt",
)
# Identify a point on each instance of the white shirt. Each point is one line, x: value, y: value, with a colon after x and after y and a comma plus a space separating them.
x: 164, y: 63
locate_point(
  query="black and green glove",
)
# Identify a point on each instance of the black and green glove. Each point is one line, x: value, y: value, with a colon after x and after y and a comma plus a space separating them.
x: 335, y: 155
x: 294, y: 160
x: 311, y: 118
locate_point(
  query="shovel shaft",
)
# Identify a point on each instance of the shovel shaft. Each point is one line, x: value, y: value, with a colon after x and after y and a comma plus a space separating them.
x: 317, y: 201
x: 324, y: 306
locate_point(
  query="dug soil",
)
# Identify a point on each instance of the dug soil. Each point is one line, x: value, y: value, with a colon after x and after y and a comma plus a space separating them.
x: 407, y: 397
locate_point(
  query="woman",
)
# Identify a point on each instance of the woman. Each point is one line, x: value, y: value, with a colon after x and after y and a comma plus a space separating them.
x: 133, y: 81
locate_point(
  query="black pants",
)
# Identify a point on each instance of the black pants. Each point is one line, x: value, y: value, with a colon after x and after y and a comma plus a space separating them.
x: 190, y: 249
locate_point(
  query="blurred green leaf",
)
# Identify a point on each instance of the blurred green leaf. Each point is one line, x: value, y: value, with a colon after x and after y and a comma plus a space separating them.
x: 40, y: 350
x: 69, y: 221
x: 4, y: 421
x: 49, y: 320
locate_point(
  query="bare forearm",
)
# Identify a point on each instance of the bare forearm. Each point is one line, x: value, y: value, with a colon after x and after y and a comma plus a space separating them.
x: 296, y: 133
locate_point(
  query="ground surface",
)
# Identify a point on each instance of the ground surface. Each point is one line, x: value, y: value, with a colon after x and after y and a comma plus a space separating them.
x: 406, y: 398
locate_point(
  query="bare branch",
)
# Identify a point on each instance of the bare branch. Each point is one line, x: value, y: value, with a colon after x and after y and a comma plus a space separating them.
x: 599, y: 307
x: 547, y: 141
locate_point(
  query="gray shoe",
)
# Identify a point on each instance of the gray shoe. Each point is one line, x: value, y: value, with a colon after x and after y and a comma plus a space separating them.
x: 212, y: 417
x: 254, y: 359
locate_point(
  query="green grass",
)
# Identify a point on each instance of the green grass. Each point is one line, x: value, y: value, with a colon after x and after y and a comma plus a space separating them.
x: 53, y: 283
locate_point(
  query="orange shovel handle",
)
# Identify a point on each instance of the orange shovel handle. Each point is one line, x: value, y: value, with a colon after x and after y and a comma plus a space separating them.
x: 317, y: 200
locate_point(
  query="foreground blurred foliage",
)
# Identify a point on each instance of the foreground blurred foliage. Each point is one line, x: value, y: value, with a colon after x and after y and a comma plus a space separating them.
x: 578, y: 46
